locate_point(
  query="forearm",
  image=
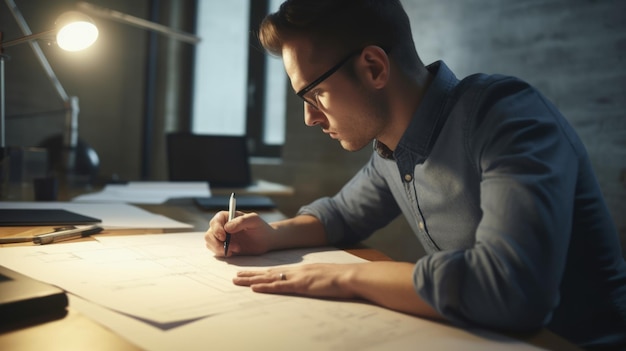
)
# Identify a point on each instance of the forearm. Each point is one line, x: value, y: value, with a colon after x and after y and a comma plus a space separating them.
x: 299, y: 231
x: 389, y: 284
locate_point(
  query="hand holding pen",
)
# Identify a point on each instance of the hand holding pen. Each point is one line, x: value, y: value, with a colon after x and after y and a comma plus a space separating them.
x: 231, y: 214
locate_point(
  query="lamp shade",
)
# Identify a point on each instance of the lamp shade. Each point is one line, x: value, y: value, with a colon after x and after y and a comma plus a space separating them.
x: 76, y: 31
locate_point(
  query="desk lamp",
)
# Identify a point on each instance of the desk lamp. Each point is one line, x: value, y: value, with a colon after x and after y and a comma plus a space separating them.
x: 71, y: 102
x: 74, y: 31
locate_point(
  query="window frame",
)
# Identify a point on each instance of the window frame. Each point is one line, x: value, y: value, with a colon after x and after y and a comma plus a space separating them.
x: 256, y: 86
x: 252, y: 113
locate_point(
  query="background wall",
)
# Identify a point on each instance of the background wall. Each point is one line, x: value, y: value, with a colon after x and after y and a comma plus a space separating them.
x: 572, y: 50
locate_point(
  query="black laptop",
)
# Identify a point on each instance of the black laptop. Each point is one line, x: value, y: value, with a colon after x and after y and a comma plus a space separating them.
x: 221, y: 160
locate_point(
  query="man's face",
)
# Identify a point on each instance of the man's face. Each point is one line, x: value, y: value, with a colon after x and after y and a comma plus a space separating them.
x: 346, y: 109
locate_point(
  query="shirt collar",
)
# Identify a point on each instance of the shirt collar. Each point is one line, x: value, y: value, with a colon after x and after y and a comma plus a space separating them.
x: 427, y: 121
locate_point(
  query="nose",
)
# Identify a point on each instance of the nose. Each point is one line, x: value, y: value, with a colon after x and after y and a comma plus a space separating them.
x: 312, y: 115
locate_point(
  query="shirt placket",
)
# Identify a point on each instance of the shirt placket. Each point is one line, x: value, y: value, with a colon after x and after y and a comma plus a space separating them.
x: 411, y: 191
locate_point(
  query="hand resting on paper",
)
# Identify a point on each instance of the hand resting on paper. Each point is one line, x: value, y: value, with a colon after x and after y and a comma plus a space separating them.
x: 389, y: 284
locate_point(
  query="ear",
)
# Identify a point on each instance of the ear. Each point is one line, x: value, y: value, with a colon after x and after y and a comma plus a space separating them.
x: 374, y: 64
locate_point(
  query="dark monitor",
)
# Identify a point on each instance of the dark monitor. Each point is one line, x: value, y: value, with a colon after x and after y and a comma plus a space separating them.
x: 220, y: 160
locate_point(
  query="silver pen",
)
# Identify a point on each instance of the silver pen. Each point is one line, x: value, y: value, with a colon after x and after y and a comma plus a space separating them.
x: 231, y: 214
x: 66, y: 234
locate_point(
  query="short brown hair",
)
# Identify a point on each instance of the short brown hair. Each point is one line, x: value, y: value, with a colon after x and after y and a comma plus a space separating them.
x: 342, y: 25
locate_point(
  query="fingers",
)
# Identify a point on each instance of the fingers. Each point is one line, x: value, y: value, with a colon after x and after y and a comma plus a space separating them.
x: 253, y: 277
x: 219, y: 226
x: 216, y: 226
x: 270, y: 281
x: 249, y: 234
x: 215, y: 235
x: 315, y: 280
x: 240, y: 222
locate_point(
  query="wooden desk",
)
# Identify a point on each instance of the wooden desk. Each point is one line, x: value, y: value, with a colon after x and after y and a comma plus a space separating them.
x: 77, y: 332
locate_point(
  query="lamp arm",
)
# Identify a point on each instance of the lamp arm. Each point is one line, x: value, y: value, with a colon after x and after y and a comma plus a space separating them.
x: 28, y: 38
x: 2, y: 113
x: 17, y: 14
x: 70, y: 137
x: 136, y: 21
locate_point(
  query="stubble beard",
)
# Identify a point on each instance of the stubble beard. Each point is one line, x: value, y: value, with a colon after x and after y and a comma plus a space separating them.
x: 370, y: 128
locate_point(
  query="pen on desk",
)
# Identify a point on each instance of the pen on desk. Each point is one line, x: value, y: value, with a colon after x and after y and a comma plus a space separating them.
x: 66, y: 234
x: 231, y: 215
x: 18, y: 239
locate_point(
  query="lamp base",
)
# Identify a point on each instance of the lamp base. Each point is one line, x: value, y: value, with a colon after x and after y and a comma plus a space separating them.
x: 76, y: 166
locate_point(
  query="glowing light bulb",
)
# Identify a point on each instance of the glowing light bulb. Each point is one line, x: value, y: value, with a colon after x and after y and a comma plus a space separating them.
x: 76, y: 31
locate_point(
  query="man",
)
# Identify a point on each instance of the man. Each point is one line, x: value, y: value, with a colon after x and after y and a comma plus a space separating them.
x: 492, y: 179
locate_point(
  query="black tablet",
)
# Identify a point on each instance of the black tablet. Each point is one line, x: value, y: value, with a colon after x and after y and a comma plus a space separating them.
x: 37, y: 217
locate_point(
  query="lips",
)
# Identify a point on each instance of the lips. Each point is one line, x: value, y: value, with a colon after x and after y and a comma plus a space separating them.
x: 330, y: 134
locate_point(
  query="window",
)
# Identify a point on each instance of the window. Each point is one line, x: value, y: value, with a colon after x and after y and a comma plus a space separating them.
x: 238, y: 88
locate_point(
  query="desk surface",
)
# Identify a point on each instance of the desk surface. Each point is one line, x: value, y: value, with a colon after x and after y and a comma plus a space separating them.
x: 77, y: 332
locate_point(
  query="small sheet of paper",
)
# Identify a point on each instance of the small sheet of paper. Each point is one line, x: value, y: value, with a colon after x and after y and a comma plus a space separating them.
x: 146, y: 192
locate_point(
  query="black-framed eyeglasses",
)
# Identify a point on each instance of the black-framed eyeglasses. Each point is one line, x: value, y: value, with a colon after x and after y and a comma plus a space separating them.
x: 313, y: 100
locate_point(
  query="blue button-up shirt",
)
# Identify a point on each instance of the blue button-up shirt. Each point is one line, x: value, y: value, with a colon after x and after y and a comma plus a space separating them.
x: 500, y: 191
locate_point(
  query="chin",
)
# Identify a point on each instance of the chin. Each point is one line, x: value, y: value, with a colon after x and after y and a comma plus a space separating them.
x: 351, y: 146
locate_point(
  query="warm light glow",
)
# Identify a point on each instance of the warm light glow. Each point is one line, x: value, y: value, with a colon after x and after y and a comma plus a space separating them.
x: 76, y: 31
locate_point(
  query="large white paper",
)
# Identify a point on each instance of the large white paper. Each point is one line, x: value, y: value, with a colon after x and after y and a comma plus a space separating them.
x: 112, y: 215
x: 303, y: 324
x: 168, y: 292
x: 165, y: 279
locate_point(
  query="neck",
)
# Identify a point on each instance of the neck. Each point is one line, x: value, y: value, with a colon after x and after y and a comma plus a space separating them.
x: 405, y: 95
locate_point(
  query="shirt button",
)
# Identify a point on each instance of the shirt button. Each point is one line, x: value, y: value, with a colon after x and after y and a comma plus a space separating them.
x: 421, y: 225
x: 408, y: 177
